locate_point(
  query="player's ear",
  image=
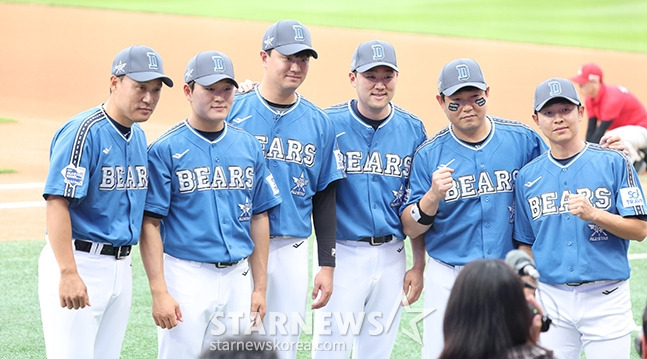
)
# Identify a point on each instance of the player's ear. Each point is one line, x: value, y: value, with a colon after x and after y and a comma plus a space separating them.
x: 114, y: 81
x: 535, y: 118
x: 440, y: 99
x: 352, y: 76
x: 187, y: 91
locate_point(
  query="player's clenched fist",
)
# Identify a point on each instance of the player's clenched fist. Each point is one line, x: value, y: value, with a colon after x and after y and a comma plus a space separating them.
x: 578, y: 205
x: 441, y: 182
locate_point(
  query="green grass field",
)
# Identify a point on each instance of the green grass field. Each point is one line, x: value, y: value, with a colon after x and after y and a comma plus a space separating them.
x: 21, y: 334
x: 602, y: 24
x: 605, y: 24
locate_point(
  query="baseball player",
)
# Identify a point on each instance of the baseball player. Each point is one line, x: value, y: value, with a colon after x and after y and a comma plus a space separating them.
x: 613, y: 109
x: 461, y: 187
x: 578, y: 206
x: 206, y: 210
x: 95, y: 193
x: 301, y: 152
x: 370, y: 272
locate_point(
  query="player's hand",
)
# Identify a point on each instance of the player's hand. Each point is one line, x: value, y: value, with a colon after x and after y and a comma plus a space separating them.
x: 441, y: 182
x: 246, y: 86
x: 580, y: 206
x: 72, y: 292
x: 166, y: 311
x: 535, y: 325
x: 322, y: 289
x: 258, y: 308
x: 614, y: 143
x: 413, y: 284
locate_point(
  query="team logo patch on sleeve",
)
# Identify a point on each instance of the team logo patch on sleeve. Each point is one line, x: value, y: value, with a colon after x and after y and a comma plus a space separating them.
x: 73, y: 176
x: 631, y: 196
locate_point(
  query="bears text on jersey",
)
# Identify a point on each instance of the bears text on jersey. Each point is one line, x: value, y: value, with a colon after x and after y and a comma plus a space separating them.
x: 470, y: 186
x: 120, y: 178
x: 202, y: 178
x: 391, y: 164
x: 555, y: 203
x: 292, y: 151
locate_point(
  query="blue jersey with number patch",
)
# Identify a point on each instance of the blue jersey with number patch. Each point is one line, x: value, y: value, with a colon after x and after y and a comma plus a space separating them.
x: 377, y: 165
x: 566, y: 248
x: 207, y: 192
x: 475, y: 220
x: 103, y: 174
x: 300, y: 150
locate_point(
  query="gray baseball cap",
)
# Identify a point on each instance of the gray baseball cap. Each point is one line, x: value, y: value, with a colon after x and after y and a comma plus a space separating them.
x: 460, y: 73
x: 373, y: 53
x: 209, y: 67
x: 288, y: 37
x: 140, y: 63
x: 555, y: 88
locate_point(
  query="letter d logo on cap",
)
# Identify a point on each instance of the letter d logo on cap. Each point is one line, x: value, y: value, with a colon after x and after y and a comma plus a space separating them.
x: 555, y: 88
x: 378, y: 52
x: 463, y: 72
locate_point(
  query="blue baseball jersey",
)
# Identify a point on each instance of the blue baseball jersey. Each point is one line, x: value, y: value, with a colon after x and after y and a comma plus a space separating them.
x: 301, y: 152
x: 207, y: 191
x: 377, y: 163
x: 566, y: 248
x: 103, y: 174
x: 475, y: 220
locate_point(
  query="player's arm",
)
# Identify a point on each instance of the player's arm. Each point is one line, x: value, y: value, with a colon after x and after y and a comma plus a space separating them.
x: 324, y: 218
x: 631, y: 228
x: 414, y: 277
x: 418, y: 217
x: 260, y: 233
x: 166, y: 311
x: 72, y: 291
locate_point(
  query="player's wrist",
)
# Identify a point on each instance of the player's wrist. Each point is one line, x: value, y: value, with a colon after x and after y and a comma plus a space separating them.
x: 421, y: 217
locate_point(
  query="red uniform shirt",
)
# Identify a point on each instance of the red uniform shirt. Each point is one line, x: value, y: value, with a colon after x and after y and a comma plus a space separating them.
x: 615, y: 103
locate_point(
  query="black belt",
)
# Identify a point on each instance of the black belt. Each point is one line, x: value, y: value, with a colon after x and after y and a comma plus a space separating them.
x: 577, y: 284
x: 227, y: 264
x: 107, y: 249
x: 377, y: 241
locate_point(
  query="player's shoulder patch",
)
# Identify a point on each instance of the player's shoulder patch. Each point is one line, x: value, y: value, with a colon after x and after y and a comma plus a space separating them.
x: 631, y: 197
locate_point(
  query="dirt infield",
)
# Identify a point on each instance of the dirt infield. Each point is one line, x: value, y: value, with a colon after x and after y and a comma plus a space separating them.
x: 55, y: 62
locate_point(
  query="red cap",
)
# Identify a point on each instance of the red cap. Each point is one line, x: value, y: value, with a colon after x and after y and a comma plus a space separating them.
x: 587, y: 73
